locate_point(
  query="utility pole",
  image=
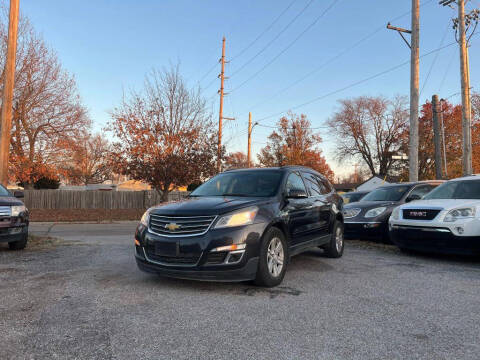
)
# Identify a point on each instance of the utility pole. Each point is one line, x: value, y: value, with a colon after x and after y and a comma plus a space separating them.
x: 461, y: 25
x: 437, y: 137
x: 220, y: 116
x: 8, y: 86
x: 250, y: 128
x: 414, y: 86
x: 443, y: 138
x: 465, y: 84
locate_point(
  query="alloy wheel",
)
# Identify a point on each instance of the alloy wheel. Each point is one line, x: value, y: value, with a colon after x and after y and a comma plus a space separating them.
x: 275, y: 257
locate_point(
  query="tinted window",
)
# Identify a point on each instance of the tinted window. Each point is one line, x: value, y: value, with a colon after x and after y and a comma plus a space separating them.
x: 391, y: 193
x: 469, y: 189
x: 313, y: 185
x: 352, y: 197
x: 260, y: 183
x: 4, y: 192
x: 326, y: 185
x: 294, y: 182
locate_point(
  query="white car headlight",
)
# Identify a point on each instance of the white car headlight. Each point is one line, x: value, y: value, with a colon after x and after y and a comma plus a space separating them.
x: 396, y: 213
x: 457, y: 214
x: 145, y: 218
x: 350, y: 213
x: 17, y: 209
x: 239, y: 218
x: 375, y: 212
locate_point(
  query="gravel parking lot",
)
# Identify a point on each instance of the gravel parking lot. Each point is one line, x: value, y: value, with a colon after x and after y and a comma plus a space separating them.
x: 84, y: 298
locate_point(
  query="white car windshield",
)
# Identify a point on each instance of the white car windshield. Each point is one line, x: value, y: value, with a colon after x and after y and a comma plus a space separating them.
x: 467, y: 189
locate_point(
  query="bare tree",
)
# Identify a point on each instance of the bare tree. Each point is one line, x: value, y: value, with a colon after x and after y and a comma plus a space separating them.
x: 87, y: 160
x: 47, y: 107
x: 372, y: 129
x: 164, y: 135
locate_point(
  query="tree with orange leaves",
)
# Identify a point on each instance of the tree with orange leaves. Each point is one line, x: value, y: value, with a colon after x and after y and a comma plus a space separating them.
x: 164, y: 135
x: 236, y: 160
x: 294, y: 143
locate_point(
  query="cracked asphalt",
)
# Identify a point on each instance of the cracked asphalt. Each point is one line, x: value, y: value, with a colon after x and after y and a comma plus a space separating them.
x: 85, y: 299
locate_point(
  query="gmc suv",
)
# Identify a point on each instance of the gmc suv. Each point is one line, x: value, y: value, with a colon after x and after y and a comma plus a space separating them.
x: 242, y: 225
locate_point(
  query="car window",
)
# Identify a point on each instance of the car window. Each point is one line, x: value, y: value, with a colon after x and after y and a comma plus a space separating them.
x: 294, y: 182
x: 326, y: 185
x: 468, y: 189
x: 313, y: 184
x: 421, y: 190
x: 4, y: 192
x: 352, y: 197
x: 390, y: 193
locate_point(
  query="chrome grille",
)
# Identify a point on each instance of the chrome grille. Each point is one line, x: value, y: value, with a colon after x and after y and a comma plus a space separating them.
x: 180, y: 225
x: 5, y: 211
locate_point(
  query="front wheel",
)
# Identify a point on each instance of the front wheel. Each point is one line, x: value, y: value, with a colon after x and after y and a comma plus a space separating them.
x: 334, y: 249
x: 273, y: 259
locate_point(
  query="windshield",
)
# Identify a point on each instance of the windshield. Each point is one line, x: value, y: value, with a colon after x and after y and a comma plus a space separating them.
x: 352, y: 197
x: 391, y: 193
x: 261, y: 183
x: 4, y: 192
x: 468, y: 189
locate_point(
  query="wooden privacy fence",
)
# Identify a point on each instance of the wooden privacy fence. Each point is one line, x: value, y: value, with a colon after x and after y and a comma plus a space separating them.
x: 77, y: 199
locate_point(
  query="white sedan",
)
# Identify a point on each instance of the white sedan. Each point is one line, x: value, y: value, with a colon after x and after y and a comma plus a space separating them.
x: 447, y: 220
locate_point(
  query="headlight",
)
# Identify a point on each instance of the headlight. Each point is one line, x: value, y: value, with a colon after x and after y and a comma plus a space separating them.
x: 396, y: 213
x: 17, y: 209
x: 375, y: 212
x: 243, y: 217
x: 350, y: 213
x: 145, y: 218
x: 456, y: 214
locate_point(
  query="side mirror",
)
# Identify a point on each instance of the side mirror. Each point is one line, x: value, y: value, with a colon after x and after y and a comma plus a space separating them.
x: 296, y: 194
x: 19, y: 194
x: 413, y: 198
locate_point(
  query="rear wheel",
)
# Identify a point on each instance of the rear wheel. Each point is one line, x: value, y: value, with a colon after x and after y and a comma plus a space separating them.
x: 20, y: 244
x: 273, y: 259
x: 334, y: 249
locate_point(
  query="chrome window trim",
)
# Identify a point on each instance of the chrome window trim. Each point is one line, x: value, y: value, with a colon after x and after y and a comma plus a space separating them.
x: 182, y: 235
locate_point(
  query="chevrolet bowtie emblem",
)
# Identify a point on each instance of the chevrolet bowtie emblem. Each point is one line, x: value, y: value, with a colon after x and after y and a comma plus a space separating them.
x: 172, y: 227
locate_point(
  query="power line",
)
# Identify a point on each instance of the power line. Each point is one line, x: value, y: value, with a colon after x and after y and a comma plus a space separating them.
x: 434, y: 60
x: 264, y: 31
x: 334, y: 58
x: 273, y: 40
x: 357, y: 82
x: 288, y: 46
x: 447, y: 70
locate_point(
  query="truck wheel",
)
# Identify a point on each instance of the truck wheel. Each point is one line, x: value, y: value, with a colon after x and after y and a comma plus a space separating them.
x: 20, y: 244
x: 334, y: 249
x: 273, y: 259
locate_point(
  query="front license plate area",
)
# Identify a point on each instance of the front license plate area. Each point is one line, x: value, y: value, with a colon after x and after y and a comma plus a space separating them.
x: 166, y: 249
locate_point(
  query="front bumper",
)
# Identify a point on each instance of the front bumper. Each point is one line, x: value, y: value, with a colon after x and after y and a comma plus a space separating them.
x: 374, y: 229
x: 434, y: 239
x: 13, y: 229
x: 192, y: 258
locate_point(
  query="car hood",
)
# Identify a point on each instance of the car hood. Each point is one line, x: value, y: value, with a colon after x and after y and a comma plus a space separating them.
x: 9, y: 201
x: 369, y: 204
x: 441, y: 204
x: 214, y: 205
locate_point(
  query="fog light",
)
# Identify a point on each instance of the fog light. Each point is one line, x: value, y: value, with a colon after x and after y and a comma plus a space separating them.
x: 234, y: 256
x: 16, y: 230
x: 460, y: 230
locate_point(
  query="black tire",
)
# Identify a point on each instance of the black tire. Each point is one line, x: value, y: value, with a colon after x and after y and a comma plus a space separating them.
x: 331, y: 249
x: 264, y: 276
x: 20, y: 244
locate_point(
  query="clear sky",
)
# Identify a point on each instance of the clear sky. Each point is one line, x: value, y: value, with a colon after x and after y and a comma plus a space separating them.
x: 109, y: 45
